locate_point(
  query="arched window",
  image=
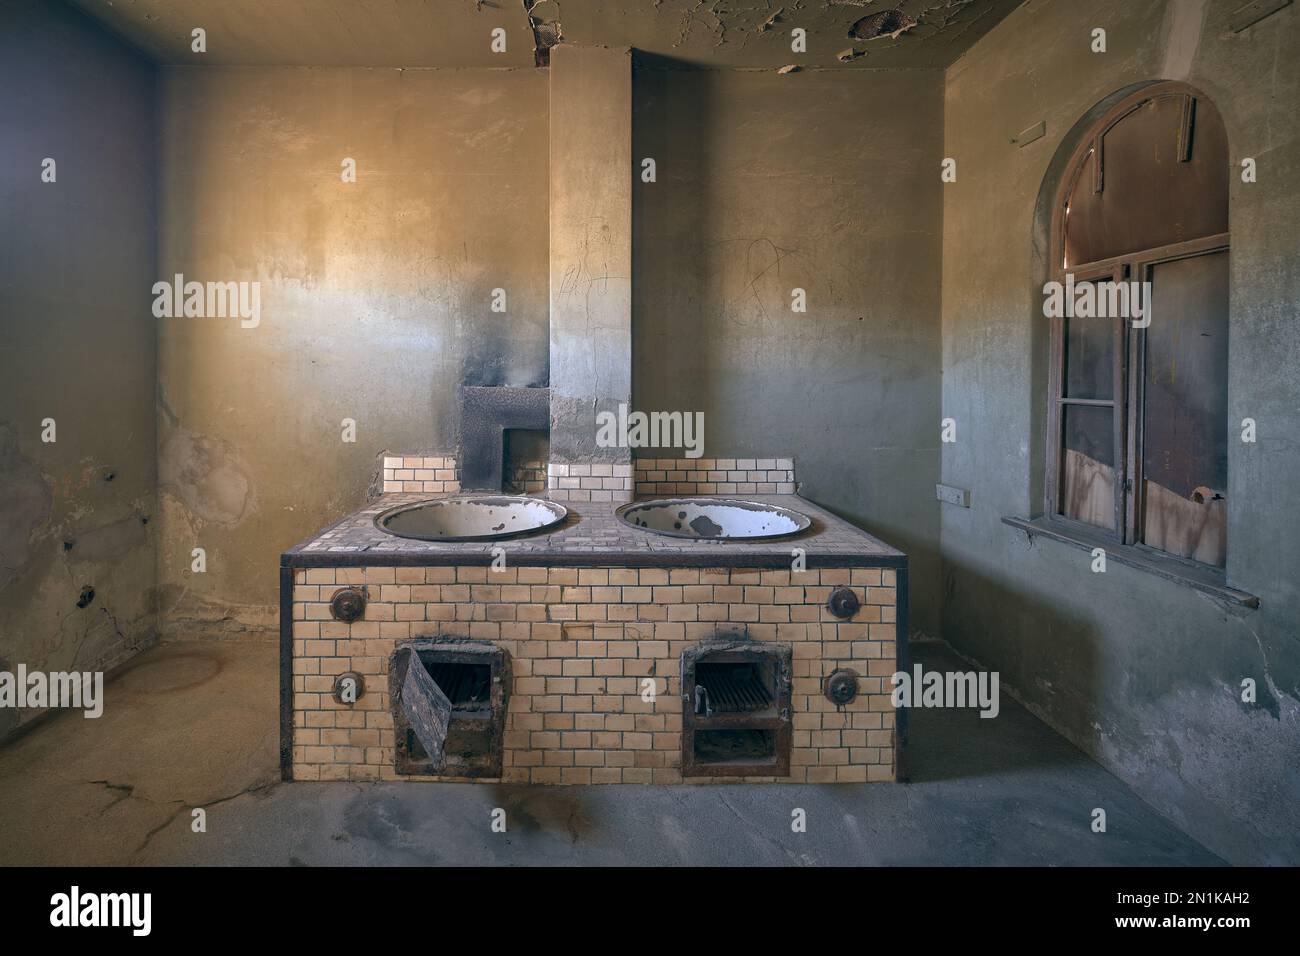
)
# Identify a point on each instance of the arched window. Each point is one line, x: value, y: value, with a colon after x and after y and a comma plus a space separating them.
x: 1138, y: 441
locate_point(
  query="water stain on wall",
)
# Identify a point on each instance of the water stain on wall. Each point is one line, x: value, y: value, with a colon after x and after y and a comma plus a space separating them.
x: 207, y: 475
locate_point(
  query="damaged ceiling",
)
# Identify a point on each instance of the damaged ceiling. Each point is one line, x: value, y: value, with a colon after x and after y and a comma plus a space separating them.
x: 756, y: 34
x: 743, y: 34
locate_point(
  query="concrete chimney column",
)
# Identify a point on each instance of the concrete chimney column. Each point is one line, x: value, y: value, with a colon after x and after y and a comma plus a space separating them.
x: 591, y: 174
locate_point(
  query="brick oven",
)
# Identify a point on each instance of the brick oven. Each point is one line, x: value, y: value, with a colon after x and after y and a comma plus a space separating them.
x: 595, y: 653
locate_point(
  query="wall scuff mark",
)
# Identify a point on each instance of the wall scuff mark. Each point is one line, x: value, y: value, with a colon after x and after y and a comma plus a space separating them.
x: 24, y: 505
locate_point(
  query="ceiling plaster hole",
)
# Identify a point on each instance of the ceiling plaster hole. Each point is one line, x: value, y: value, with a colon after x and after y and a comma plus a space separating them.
x: 543, y: 17
x: 888, y: 23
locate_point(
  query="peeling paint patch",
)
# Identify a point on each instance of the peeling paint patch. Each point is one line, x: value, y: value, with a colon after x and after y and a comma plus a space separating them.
x: 946, y: 19
x: 719, y: 29
x: 770, y: 21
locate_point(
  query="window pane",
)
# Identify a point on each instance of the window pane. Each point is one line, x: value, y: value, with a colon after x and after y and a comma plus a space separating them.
x: 1088, y: 465
x: 1185, y: 447
x: 1089, y: 357
x: 1152, y: 193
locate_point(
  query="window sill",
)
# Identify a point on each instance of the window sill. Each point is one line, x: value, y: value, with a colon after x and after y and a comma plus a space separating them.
x: 1205, y: 579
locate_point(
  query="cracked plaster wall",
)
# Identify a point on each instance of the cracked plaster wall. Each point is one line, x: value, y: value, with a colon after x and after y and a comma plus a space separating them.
x: 77, y: 345
x: 1143, y: 674
x: 375, y: 296
x: 825, y: 181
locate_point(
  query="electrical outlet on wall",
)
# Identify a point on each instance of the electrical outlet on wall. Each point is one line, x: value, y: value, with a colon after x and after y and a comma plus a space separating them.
x: 953, y: 496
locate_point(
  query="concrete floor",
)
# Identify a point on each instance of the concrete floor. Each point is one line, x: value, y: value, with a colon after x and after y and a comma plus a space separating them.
x: 194, y: 725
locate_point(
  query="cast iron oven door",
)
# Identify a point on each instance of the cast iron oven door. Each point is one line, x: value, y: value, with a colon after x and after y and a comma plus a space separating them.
x: 449, y: 706
x: 736, y: 709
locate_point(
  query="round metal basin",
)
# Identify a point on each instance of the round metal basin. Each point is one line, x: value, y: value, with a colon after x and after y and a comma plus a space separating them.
x: 472, y: 518
x: 714, y: 518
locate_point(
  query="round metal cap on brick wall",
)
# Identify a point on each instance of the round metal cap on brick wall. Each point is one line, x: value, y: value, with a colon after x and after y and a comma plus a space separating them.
x: 841, y: 686
x: 349, y: 687
x: 348, y: 605
x: 843, y: 602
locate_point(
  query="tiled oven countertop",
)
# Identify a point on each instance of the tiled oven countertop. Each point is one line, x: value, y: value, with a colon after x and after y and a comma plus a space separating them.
x: 592, y: 535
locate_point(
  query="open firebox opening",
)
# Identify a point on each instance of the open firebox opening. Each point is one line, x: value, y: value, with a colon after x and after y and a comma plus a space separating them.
x: 467, y: 686
x: 449, y: 705
x: 736, y: 709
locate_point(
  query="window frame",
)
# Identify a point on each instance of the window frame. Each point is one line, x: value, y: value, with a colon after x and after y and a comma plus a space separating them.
x: 1128, y: 344
x: 1136, y: 486
x: 1098, y: 272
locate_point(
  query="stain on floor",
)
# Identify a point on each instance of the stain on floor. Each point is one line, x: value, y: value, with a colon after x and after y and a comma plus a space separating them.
x: 194, y: 725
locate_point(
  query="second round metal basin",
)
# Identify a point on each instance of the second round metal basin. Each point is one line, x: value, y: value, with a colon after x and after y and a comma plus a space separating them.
x: 725, y: 518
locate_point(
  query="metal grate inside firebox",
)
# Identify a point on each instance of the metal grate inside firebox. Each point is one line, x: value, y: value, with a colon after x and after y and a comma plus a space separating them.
x: 734, y: 688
